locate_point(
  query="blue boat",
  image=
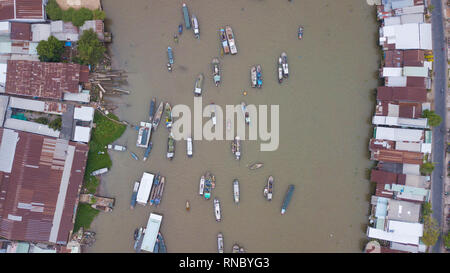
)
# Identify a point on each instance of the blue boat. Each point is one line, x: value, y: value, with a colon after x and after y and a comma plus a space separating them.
x: 156, y: 247
x: 287, y: 199
x: 134, y: 195
x: 147, y: 151
x: 180, y: 29
x: 170, y: 54
x: 187, y: 20
x: 259, y: 76
x: 162, y: 245
x: 134, y: 156
x: 154, y: 189
x: 152, y: 109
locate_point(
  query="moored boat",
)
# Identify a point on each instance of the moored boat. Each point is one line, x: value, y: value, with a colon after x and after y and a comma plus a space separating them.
x: 217, y: 212
x: 187, y: 21
x: 144, y: 133
x: 117, y: 147
x: 202, y: 185
x: 158, y: 115
x: 152, y: 110
x: 213, y: 115
x: 208, y: 187
x: 162, y: 244
x: 256, y: 165
x: 259, y: 81
x: 300, y: 32
x: 99, y: 171
x: 236, y: 147
x: 170, y: 56
x: 180, y: 29
x: 253, y: 77
x: 231, y: 41
x: 139, y: 238
x: 160, y: 191
x: 268, y: 189
x: 170, y: 147
x: 195, y: 26
x: 241, y: 250
x: 235, y: 248
x: 134, y: 156
x: 147, y: 151
x: 168, y: 112
x: 216, y: 71
x: 220, y: 242
x: 189, y: 150
x: 280, y: 70
x: 134, y: 194
x: 236, y: 191
x: 287, y: 198
x: 285, y: 64
x: 224, y: 41
x: 198, y: 85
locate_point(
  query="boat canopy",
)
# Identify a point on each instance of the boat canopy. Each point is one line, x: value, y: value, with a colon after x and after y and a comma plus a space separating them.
x: 145, y: 188
x: 151, y: 233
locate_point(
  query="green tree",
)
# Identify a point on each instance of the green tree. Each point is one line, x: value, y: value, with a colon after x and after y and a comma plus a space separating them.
x: 42, y: 120
x: 447, y: 240
x: 80, y: 16
x: 427, y: 168
x: 55, y: 124
x: 433, y: 118
x: 426, y: 209
x: 90, y: 49
x: 50, y: 50
x: 98, y: 14
x: 431, y: 231
x: 54, y: 12
x: 67, y: 15
x: 430, y: 8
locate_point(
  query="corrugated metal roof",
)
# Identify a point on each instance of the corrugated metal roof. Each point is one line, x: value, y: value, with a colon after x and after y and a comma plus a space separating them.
x: 21, y: 31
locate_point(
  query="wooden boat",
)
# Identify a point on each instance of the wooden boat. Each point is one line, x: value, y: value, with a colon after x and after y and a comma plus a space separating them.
x: 255, y: 166
x: 180, y: 29
x: 236, y: 191
x: 160, y: 191
x: 98, y: 202
x: 170, y: 147
x: 235, y: 248
x: 213, y: 181
x: 139, y: 238
x: 188, y: 205
x: 134, y: 195
x: 158, y: 115
x: 154, y: 189
x: 170, y: 56
x: 236, y: 147
x: 213, y: 115
x: 280, y: 70
x: 168, y: 112
x: 136, y: 233
x: 198, y: 85
x: 162, y: 244
x: 202, y: 185
x: 147, y: 151
x: 220, y: 242
x: 259, y: 76
x: 152, y: 110
x: 189, y: 147
x: 156, y: 247
x: 287, y: 198
x: 268, y: 189
x: 208, y: 186
x: 285, y: 64
x: 195, y: 26
x: 224, y: 41
x: 253, y: 76
x: 117, y: 148
x: 144, y: 133
x: 217, y: 210
x: 187, y: 22
x: 216, y: 71
x: 230, y: 38
x: 245, y: 112
x: 300, y: 32
x: 134, y: 156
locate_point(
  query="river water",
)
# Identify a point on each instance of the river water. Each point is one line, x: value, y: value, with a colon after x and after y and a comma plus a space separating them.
x: 325, y: 109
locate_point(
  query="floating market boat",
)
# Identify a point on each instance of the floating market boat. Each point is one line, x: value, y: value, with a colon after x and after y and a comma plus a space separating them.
x: 117, y: 148
x: 253, y: 76
x: 180, y: 29
x: 198, y: 85
x: 220, y: 242
x: 285, y: 64
x: 154, y: 190
x: 280, y: 70
x: 213, y: 115
x: 189, y: 147
x: 160, y: 191
x: 162, y: 244
x: 255, y: 166
x: 236, y: 147
x: 170, y: 56
x: 152, y: 110
x: 158, y: 115
x: 188, y: 205
x: 208, y: 186
x: 259, y: 76
x: 195, y: 26
x: 245, y: 112
x: 187, y: 22
x: 134, y: 156
x: 170, y: 147
x: 230, y: 38
x: 202, y: 185
x: 268, y: 189
x: 217, y: 210
x: 216, y: 71
x: 235, y: 248
x: 168, y: 111
x: 134, y: 195
x: 147, y: 151
x: 300, y: 32
x: 224, y: 41
x: 236, y: 191
x: 144, y: 133
x: 287, y: 198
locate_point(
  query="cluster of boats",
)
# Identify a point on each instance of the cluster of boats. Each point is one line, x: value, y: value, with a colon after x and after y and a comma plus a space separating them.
x: 256, y: 76
x: 220, y: 248
x: 188, y: 20
x: 236, y: 147
x: 160, y: 245
x: 207, y: 183
x: 283, y: 67
x: 227, y: 40
x: 156, y: 192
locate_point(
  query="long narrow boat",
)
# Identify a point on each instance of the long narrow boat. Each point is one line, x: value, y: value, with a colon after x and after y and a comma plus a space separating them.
x: 170, y: 147
x: 224, y: 41
x: 285, y: 64
x: 217, y: 210
x: 208, y: 186
x: 156, y: 247
x: 198, y: 85
x: 300, y: 32
x: 158, y: 115
x: 259, y: 81
x: 236, y: 191
x: 189, y: 150
x: 213, y: 115
x: 220, y: 242
x: 195, y: 26
x: 230, y: 38
x: 268, y: 189
x: 168, y: 112
x: 139, y: 238
x: 134, y: 156
x: 154, y: 189
x: 144, y: 133
x: 162, y: 243
x: 147, y: 151
x: 245, y: 112
x: 152, y: 110
x: 216, y: 71
x: 255, y: 166
x: 280, y: 70
x: 287, y: 199
x: 253, y: 76
x: 134, y: 195
x: 116, y: 147
x: 160, y: 192
x: 236, y: 148
x: 187, y: 22
x: 180, y: 29
x: 202, y: 185
x: 170, y: 55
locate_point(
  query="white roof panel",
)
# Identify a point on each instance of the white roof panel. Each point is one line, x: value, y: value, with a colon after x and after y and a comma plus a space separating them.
x: 84, y: 113
x: 31, y: 127
x: 392, y: 71
x: 27, y: 104
x: 8, y: 150
x: 145, y: 188
x: 151, y: 232
x: 425, y: 37
x: 82, y: 134
x: 395, y: 81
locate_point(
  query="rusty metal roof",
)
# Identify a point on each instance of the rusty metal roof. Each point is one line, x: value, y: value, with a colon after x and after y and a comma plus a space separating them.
x: 29, y: 9
x: 21, y: 31
x: 39, y: 79
x: 411, y: 94
x: 6, y: 9
x: 29, y: 194
x: 405, y: 109
x: 413, y: 57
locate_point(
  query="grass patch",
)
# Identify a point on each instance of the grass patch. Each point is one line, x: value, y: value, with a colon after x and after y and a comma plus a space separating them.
x: 85, y: 215
x: 91, y: 184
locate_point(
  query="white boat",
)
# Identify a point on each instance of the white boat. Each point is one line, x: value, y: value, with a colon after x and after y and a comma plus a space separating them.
x: 216, y: 71
x: 230, y: 38
x: 195, y: 26
x: 158, y: 115
x: 285, y: 64
x: 198, y: 85
x: 145, y: 130
x: 189, y: 147
x: 213, y: 116
x: 202, y: 185
x: 280, y: 70
x: 245, y: 112
x: 117, y: 148
x: 99, y: 171
x: 220, y: 242
x: 217, y: 210
x: 236, y: 191
x: 236, y: 147
x: 168, y: 114
x: 268, y: 190
x: 253, y: 76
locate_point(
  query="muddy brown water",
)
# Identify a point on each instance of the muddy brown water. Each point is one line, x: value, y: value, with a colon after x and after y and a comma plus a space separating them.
x: 325, y: 108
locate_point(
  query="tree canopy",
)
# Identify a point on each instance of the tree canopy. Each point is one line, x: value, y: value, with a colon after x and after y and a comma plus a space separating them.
x: 50, y: 50
x: 90, y: 48
x: 433, y: 118
x: 427, y: 168
x: 431, y: 231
